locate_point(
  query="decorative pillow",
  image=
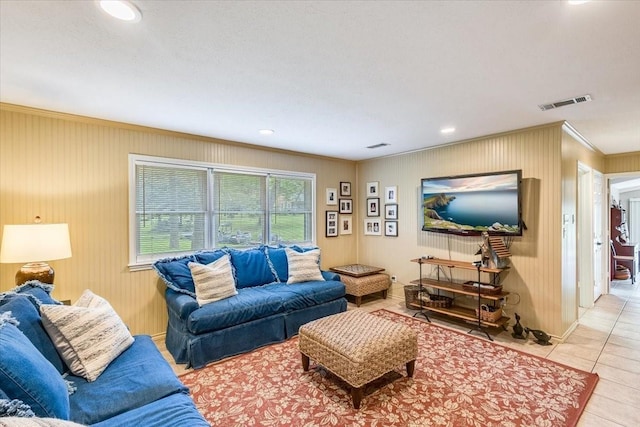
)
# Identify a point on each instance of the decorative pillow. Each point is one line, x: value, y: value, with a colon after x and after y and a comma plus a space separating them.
x: 27, y: 376
x: 89, y: 335
x: 41, y: 291
x: 27, y: 313
x: 250, y: 267
x: 277, y: 259
x: 303, y: 267
x: 213, y: 281
x: 36, y: 422
x: 207, y: 257
x: 176, y: 274
x: 14, y: 408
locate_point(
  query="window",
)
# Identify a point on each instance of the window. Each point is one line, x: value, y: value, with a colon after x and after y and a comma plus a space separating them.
x: 182, y: 207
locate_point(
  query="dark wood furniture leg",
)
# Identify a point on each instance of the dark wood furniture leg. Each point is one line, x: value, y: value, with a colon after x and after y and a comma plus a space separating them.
x: 305, y: 362
x: 411, y: 366
x: 356, y: 396
x: 358, y: 301
x: 384, y: 294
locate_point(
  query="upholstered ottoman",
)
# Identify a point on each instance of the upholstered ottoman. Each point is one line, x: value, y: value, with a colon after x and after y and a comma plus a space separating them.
x: 358, y: 347
x: 365, y: 285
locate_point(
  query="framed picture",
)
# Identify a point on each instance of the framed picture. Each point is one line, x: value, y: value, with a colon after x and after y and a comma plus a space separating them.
x: 372, y: 227
x: 332, y: 224
x: 345, y: 189
x: 346, y: 224
x: 332, y: 196
x: 346, y: 206
x: 373, y: 206
x: 372, y: 189
x: 391, y: 194
x: 391, y: 211
x: 391, y: 228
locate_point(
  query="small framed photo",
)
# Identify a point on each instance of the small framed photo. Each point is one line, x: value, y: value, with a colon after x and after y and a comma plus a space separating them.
x: 372, y: 189
x: 372, y: 227
x: 373, y: 206
x: 391, y: 194
x: 391, y: 228
x: 332, y: 224
x: 391, y: 211
x: 346, y: 206
x: 346, y: 224
x: 345, y: 189
x: 332, y: 196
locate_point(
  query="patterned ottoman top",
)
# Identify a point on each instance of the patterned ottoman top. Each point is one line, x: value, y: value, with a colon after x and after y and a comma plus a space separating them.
x: 357, y: 270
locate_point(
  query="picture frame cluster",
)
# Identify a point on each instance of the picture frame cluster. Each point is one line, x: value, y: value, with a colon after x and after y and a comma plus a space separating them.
x: 339, y: 222
x: 373, y: 226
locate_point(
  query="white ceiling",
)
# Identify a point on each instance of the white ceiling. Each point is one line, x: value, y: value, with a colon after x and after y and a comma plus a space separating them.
x: 332, y: 77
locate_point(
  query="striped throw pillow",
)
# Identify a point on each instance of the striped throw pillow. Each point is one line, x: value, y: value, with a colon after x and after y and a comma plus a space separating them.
x: 89, y: 335
x: 303, y: 267
x: 213, y: 281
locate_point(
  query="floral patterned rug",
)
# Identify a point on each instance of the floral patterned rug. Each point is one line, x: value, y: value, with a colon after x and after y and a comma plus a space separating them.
x: 459, y: 380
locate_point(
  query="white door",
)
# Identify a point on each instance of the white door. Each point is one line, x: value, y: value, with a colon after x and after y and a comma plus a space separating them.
x: 598, y: 233
x: 585, y: 243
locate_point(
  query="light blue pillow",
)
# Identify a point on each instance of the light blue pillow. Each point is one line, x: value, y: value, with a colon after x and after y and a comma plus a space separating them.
x: 251, y: 267
x: 176, y: 274
x: 27, y: 376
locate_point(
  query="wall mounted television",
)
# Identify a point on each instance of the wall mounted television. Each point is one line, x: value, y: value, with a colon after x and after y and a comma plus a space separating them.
x: 472, y: 204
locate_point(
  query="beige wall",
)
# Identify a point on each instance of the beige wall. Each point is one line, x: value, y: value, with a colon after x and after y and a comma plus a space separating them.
x: 535, y: 278
x: 75, y: 170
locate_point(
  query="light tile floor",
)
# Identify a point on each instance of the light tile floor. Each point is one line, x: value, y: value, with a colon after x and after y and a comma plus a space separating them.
x: 606, y: 341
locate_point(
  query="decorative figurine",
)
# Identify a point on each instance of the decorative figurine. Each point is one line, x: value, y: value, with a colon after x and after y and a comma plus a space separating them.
x: 518, y: 329
x: 542, y: 337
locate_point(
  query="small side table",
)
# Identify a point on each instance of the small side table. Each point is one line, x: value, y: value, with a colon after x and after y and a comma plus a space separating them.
x: 363, y: 280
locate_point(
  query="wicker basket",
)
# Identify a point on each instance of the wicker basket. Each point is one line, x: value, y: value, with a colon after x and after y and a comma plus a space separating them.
x: 411, y: 295
x: 436, y: 301
x: 489, y: 316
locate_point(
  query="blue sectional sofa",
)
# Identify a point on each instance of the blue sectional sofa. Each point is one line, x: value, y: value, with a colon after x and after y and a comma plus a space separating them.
x: 266, y: 308
x: 137, y: 388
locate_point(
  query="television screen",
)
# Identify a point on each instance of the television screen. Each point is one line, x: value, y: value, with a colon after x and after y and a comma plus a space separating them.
x: 471, y: 204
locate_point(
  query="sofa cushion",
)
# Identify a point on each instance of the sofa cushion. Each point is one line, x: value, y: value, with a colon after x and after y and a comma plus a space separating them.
x: 176, y: 410
x: 139, y: 376
x: 251, y: 267
x: 277, y: 259
x: 176, y: 274
x: 213, y: 281
x: 207, y: 257
x: 27, y: 376
x: 42, y: 291
x: 303, y: 267
x: 88, y: 335
x: 24, y: 310
x: 251, y: 303
x: 307, y: 294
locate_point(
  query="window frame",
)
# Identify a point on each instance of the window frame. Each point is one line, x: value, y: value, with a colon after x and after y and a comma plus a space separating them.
x: 135, y: 160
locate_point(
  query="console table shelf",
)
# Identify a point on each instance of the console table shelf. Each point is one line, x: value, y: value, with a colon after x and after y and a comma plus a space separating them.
x: 457, y: 288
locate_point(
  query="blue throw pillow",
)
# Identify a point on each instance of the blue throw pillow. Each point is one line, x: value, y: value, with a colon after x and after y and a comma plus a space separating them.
x: 27, y: 376
x: 42, y: 291
x: 207, y: 257
x: 25, y: 312
x: 176, y: 274
x: 251, y: 267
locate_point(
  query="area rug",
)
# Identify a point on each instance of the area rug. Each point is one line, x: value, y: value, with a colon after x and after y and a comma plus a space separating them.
x: 460, y: 380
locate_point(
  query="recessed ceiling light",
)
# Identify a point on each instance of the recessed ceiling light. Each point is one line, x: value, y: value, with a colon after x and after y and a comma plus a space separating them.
x: 448, y: 130
x: 121, y: 9
x: 266, y: 131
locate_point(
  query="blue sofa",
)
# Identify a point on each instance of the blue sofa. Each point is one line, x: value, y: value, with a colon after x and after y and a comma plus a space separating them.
x: 137, y: 388
x: 265, y: 310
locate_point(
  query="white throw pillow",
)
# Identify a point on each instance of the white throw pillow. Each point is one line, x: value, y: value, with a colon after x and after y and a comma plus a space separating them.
x: 89, y: 335
x: 213, y: 281
x: 303, y: 266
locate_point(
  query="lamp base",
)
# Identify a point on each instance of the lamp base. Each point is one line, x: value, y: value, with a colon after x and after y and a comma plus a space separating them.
x: 35, y: 271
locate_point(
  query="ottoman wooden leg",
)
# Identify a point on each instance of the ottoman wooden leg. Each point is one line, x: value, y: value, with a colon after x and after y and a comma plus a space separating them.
x: 358, y: 301
x: 356, y: 396
x: 305, y: 362
x: 410, y: 368
x: 384, y: 294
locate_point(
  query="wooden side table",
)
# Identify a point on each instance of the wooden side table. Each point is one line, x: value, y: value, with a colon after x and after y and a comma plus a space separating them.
x: 360, y: 280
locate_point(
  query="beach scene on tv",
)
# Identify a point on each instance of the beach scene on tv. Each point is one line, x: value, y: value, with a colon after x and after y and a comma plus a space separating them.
x: 472, y: 204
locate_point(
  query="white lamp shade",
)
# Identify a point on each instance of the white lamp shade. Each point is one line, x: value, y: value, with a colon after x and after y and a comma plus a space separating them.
x: 35, y: 243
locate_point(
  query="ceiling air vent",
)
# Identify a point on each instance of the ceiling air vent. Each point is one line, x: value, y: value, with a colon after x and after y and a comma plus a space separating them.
x: 570, y: 101
x: 382, y: 144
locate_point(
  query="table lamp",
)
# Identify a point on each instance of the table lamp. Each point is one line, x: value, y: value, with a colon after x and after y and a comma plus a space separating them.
x: 35, y: 244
